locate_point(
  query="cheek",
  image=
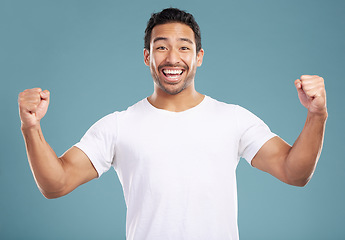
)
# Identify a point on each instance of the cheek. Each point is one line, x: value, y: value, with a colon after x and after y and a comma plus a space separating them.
x: 190, y: 59
x: 155, y: 60
x: 191, y: 62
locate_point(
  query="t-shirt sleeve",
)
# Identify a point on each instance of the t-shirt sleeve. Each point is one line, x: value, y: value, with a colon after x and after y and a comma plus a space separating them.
x: 99, y: 142
x: 254, y: 133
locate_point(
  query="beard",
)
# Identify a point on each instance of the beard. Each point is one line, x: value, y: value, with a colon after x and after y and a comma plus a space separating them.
x: 173, y: 88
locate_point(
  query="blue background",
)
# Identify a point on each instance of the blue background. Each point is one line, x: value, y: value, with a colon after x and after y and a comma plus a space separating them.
x: 89, y: 54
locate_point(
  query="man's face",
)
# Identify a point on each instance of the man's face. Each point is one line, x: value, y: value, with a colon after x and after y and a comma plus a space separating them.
x: 172, y: 57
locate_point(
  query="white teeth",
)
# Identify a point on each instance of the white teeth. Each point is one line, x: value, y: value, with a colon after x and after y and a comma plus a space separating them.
x: 173, y: 77
x: 168, y: 71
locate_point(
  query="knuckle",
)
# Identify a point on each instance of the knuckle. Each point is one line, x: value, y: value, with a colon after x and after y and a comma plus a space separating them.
x: 37, y: 89
x: 21, y: 97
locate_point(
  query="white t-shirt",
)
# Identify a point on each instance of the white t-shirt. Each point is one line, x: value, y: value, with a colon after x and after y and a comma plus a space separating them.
x: 177, y: 169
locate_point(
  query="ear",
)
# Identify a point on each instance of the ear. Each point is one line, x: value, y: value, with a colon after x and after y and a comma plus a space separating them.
x: 146, y: 57
x: 199, y: 57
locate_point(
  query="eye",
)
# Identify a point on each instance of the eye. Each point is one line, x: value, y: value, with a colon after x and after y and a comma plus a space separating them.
x: 161, y: 48
x: 184, y: 48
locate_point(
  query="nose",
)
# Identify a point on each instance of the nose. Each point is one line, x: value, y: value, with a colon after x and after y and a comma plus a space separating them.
x: 173, y: 56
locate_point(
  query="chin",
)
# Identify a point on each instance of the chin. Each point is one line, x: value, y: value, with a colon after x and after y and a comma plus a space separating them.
x: 174, y: 89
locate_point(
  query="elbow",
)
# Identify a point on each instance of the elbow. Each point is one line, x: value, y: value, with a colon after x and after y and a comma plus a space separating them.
x: 302, y: 182
x: 51, y: 195
x: 298, y: 178
x: 47, y: 196
x: 52, y: 189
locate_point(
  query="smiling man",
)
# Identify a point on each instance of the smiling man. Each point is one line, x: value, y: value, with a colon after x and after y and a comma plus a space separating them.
x: 173, y: 58
x: 176, y: 152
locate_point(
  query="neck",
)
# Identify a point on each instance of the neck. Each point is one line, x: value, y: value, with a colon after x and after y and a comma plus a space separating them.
x: 182, y: 101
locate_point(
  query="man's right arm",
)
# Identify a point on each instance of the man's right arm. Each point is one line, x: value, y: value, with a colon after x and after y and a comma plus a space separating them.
x: 54, y: 176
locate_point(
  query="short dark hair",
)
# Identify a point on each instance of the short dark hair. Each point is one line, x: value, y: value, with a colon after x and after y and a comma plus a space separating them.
x: 172, y: 15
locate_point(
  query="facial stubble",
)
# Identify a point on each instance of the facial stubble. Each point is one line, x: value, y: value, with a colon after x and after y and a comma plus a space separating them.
x: 186, y: 82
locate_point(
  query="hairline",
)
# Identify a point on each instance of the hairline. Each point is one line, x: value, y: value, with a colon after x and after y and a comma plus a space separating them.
x: 175, y: 21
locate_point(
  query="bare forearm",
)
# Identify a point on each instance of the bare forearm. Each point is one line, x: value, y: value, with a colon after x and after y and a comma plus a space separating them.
x: 304, y: 154
x: 45, y: 165
x: 295, y: 165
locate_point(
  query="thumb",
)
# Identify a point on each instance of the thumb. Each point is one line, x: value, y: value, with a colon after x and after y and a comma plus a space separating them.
x: 301, y: 94
x: 45, y: 95
x: 43, y: 105
x: 298, y: 85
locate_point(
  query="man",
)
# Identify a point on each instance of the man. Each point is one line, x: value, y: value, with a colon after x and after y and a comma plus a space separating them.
x: 176, y: 152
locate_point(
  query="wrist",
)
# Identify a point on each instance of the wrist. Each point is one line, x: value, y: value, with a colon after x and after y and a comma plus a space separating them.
x: 321, y: 116
x: 30, y: 127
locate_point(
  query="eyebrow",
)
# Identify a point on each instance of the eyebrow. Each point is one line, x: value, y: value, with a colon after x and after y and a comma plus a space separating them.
x: 166, y: 39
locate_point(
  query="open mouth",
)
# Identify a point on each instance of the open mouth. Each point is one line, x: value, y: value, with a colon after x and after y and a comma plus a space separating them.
x: 172, y: 74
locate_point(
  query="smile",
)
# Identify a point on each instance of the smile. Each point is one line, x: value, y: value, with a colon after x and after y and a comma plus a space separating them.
x: 172, y: 72
x: 172, y: 75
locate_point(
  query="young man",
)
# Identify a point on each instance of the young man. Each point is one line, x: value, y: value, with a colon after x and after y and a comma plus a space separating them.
x: 176, y: 152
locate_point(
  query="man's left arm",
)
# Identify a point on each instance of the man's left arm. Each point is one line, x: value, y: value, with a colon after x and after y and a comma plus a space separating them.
x: 295, y: 165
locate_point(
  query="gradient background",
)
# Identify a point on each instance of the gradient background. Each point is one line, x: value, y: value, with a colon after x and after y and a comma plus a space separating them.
x: 89, y: 54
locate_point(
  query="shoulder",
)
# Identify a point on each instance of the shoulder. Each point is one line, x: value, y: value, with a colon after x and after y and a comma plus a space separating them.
x: 110, y: 120
x: 133, y: 109
x: 233, y: 112
x: 219, y: 105
x: 227, y: 109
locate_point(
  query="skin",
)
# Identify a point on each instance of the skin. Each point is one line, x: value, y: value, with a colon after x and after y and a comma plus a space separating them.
x: 173, y: 48
x: 55, y: 177
x: 295, y: 165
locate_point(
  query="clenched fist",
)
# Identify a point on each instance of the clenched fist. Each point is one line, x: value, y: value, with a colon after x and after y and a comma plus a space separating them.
x: 33, y: 105
x: 312, y: 93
